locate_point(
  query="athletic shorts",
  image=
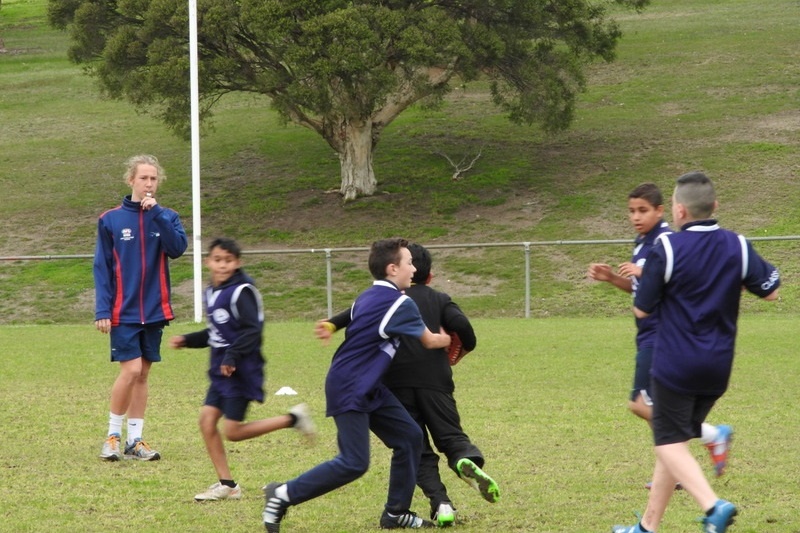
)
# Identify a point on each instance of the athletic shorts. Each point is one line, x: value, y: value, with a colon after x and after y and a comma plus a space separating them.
x: 641, y: 375
x: 232, y: 408
x: 678, y: 417
x: 131, y: 341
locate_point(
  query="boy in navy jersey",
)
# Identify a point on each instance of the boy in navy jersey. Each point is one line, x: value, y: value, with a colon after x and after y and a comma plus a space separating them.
x: 695, y: 278
x: 358, y: 400
x: 422, y: 380
x: 235, y: 318
x: 135, y: 242
x: 646, y: 212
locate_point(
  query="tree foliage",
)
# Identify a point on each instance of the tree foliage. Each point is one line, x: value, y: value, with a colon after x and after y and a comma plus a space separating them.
x: 344, y: 68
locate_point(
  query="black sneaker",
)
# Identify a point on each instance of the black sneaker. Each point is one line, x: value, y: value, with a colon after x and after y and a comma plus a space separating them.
x: 403, y: 520
x: 274, y: 508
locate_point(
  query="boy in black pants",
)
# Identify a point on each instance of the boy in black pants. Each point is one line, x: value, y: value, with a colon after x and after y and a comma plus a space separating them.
x: 360, y: 403
x: 422, y: 380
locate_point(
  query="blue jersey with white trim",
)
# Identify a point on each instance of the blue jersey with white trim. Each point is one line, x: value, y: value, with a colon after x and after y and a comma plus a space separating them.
x: 695, y: 278
x: 380, y: 315
x: 646, y: 327
x: 235, y: 323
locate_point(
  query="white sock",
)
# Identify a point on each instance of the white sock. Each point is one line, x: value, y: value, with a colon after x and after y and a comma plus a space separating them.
x: 135, y: 427
x: 282, y: 492
x: 709, y: 433
x: 115, y: 423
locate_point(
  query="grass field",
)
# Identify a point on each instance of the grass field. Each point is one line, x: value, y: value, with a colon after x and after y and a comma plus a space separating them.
x: 544, y: 399
x: 697, y: 84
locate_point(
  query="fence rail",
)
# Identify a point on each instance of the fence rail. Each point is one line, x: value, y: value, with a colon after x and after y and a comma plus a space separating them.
x: 329, y: 253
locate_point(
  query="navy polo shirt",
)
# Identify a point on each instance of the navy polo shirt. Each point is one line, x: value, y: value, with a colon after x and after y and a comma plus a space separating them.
x: 380, y: 315
x: 646, y: 327
x: 695, y: 279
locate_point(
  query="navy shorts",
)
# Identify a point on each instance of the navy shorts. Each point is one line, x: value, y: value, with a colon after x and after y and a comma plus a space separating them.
x: 232, y: 408
x: 641, y: 376
x: 131, y: 341
x: 678, y: 417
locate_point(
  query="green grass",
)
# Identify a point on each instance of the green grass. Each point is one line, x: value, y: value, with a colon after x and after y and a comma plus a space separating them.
x: 545, y: 400
x: 697, y: 84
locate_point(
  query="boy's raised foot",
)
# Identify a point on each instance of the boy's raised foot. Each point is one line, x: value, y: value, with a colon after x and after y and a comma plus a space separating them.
x: 218, y: 491
x: 478, y: 479
x: 407, y: 520
x: 140, y: 450
x: 110, y: 450
x: 444, y: 515
x: 722, y: 517
x: 274, y: 508
x: 303, y: 422
x: 720, y: 447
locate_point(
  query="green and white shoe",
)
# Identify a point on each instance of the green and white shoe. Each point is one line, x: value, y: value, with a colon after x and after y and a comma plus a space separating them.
x: 478, y: 479
x: 445, y: 515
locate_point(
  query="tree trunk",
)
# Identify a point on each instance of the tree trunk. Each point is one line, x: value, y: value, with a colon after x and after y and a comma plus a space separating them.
x: 355, y: 156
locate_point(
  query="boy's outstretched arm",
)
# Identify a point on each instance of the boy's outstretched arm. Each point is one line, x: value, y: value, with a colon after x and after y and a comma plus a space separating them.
x: 432, y: 341
x: 604, y: 272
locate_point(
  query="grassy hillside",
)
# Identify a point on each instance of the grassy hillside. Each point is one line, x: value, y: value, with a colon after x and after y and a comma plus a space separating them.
x: 698, y: 84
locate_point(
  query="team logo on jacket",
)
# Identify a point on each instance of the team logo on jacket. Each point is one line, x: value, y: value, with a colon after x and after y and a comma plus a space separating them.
x: 127, y: 234
x: 221, y: 316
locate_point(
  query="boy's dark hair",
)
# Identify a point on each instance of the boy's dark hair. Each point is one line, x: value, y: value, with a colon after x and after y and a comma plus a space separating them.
x: 695, y: 191
x: 384, y: 253
x: 421, y: 258
x: 648, y: 192
x: 229, y: 245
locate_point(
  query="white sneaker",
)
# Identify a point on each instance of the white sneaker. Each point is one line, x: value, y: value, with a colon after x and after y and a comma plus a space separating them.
x: 445, y: 515
x: 141, y: 451
x: 304, y: 424
x: 218, y: 491
x: 110, y: 451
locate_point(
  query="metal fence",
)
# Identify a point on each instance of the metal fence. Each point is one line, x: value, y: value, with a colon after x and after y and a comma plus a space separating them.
x: 329, y: 253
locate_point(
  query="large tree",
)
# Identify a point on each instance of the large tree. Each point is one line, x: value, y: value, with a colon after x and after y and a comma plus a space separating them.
x: 344, y: 68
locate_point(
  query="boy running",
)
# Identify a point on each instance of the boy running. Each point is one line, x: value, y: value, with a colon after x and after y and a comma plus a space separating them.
x: 235, y: 318
x: 358, y: 400
x: 695, y: 279
x: 646, y: 214
x: 422, y: 380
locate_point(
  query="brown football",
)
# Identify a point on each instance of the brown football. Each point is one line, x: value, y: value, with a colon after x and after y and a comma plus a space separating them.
x: 456, y: 349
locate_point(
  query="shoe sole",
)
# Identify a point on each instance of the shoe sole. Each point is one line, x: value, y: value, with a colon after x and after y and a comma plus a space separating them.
x: 110, y: 458
x: 136, y: 458
x: 216, y: 499
x: 486, y: 485
x: 445, y: 521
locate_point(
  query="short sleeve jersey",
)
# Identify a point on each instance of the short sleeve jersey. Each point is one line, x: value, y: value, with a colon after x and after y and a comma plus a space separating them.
x: 695, y: 278
x: 646, y: 327
x: 225, y: 322
x: 380, y: 315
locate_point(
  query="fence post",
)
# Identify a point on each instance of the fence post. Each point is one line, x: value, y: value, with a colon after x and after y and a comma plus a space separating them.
x: 329, y: 282
x: 527, y: 279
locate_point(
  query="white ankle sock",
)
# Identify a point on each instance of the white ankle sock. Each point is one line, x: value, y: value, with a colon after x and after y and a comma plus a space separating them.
x: 135, y: 427
x: 115, y: 423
